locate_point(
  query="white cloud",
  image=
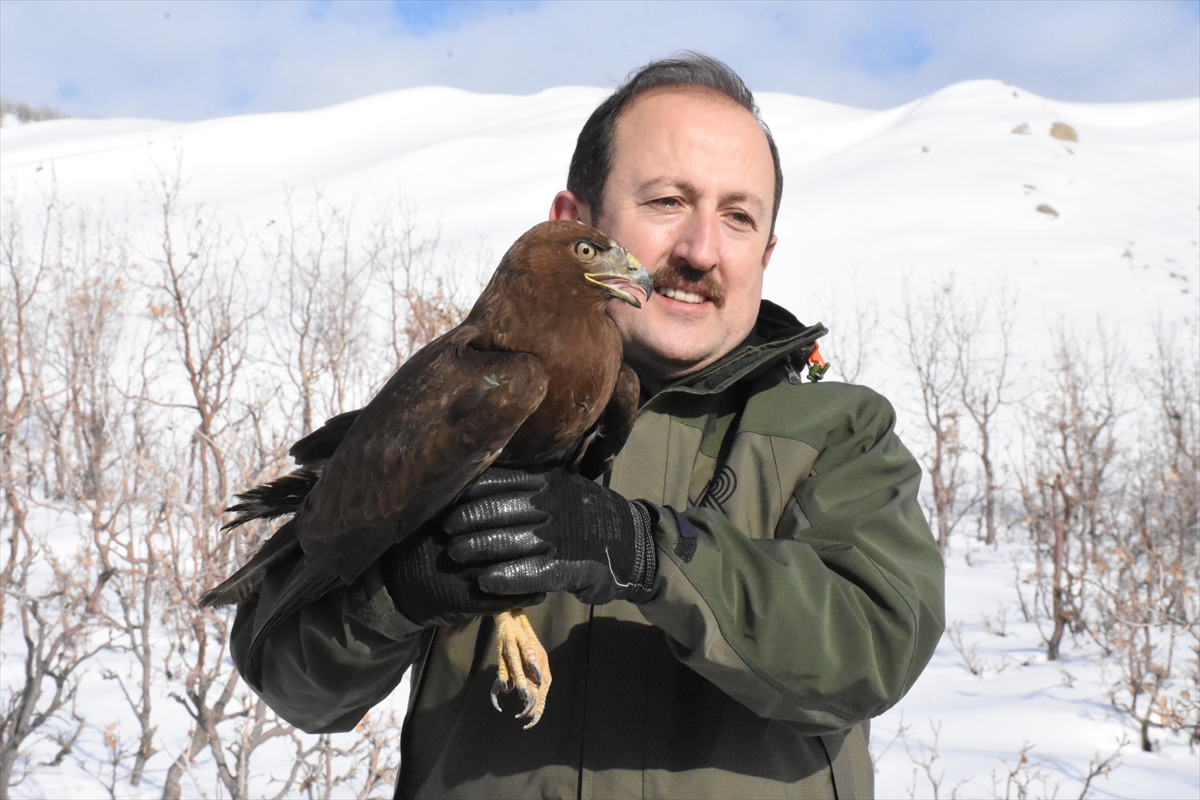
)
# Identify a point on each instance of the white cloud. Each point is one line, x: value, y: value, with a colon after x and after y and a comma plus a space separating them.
x: 189, y: 60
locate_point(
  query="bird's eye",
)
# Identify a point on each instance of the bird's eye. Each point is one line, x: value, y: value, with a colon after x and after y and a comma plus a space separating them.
x: 586, y: 251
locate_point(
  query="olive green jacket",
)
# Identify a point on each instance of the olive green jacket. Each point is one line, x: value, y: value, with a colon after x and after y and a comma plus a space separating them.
x: 799, y: 593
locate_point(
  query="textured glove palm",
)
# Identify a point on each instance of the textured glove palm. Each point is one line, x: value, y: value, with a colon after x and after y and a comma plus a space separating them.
x: 552, y: 531
x: 429, y: 588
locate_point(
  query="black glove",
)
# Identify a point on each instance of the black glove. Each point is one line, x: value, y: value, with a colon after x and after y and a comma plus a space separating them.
x: 431, y: 589
x: 554, y: 531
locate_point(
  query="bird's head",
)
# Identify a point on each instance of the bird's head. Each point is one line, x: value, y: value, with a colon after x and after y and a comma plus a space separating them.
x: 571, y: 254
x: 611, y: 268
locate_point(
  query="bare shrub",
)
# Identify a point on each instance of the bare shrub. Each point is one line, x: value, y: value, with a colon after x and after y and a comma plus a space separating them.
x: 1148, y: 598
x: 323, y: 331
x: 1021, y: 776
x: 204, y: 308
x: 429, y: 287
x: 49, y: 590
x: 982, y: 339
x: 968, y: 654
x: 1101, y: 765
x: 1069, y: 487
x: 56, y: 603
x: 136, y: 397
x: 1112, y: 511
x: 850, y: 346
x: 27, y: 113
x: 103, y: 433
x: 924, y: 758
x: 928, y: 328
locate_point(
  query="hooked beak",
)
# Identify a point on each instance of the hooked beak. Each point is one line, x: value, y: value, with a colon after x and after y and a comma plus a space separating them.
x: 625, y: 273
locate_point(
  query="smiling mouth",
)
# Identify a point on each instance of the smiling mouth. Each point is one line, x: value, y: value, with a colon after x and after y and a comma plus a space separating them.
x: 681, y: 295
x: 683, y: 284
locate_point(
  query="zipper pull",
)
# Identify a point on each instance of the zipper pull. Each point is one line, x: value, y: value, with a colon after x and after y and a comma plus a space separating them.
x: 817, y: 365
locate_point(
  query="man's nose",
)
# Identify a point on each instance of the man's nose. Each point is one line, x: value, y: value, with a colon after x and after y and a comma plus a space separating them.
x: 697, y: 242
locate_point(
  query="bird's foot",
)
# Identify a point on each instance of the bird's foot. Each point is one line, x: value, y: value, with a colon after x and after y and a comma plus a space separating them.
x: 522, y: 664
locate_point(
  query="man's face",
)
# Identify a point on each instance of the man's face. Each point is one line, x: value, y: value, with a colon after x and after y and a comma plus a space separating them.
x: 690, y: 193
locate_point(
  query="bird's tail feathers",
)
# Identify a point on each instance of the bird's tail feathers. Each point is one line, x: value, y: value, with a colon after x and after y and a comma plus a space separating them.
x: 244, y: 583
x: 270, y: 500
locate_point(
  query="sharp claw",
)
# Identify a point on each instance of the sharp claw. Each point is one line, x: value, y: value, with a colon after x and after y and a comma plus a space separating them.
x: 520, y: 665
x: 497, y: 687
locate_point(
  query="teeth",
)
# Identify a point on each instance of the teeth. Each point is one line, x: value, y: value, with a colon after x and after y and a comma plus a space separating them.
x: 679, y: 294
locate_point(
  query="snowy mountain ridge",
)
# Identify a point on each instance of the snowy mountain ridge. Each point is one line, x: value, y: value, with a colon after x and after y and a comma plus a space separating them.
x: 949, y: 182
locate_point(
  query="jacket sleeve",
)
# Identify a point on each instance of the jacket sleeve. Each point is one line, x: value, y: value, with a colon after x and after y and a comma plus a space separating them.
x: 829, y: 622
x: 328, y: 664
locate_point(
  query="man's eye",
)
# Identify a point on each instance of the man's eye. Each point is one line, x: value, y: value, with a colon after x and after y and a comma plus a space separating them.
x: 669, y: 202
x: 742, y: 218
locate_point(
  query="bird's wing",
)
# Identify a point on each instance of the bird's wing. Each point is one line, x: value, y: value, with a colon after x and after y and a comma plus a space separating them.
x: 439, y: 422
x: 429, y: 432
x: 612, y: 429
x: 321, y: 444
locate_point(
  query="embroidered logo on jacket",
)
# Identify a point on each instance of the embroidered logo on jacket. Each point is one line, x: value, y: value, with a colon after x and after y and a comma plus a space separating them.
x: 718, y: 490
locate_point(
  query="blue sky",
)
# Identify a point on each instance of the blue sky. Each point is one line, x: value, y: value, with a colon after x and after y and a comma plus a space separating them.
x: 181, y: 60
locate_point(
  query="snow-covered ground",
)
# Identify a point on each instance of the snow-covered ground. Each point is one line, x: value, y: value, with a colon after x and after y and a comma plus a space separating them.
x: 1102, y: 226
x: 978, y: 723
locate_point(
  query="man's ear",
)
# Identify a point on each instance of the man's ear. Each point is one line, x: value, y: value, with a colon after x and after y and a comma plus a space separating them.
x: 770, y: 249
x: 567, y: 206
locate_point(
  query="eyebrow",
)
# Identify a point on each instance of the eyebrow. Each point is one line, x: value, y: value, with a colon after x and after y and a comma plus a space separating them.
x: 689, y: 188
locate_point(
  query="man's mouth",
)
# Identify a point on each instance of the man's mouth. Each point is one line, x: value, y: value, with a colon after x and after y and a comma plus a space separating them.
x: 695, y: 287
x: 681, y: 295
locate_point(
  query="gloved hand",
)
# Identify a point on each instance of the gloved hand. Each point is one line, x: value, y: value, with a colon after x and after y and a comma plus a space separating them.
x: 429, y: 588
x: 551, y: 531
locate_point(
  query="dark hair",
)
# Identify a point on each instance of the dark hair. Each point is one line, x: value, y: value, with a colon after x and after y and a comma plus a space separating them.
x: 593, y: 155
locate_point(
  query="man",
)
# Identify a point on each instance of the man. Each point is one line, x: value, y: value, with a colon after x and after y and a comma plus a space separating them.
x: 759, y: 580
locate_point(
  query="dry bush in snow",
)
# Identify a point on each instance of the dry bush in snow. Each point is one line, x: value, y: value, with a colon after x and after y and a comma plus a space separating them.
x: 1069, y: 486
x: 928, y: 325
x: 959, y: 354
x: 1149, y: 606
x: 146, y: 377
x: 1110, y: 487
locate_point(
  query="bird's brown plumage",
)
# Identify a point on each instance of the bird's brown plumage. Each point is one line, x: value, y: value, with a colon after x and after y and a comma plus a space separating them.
x: 532, y: 377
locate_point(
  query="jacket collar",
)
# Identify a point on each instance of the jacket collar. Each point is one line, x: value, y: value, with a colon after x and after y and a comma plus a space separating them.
x: 777, y: 335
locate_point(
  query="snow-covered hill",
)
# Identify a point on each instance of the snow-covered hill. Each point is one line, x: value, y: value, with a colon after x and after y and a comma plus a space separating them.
x: 950, y: 182
x: 1086, y: 211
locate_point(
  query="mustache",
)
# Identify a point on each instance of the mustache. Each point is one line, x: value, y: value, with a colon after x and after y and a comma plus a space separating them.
x: 689, y: 279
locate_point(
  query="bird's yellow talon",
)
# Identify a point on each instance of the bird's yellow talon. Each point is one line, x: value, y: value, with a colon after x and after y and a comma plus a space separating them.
x: 522, y: 664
